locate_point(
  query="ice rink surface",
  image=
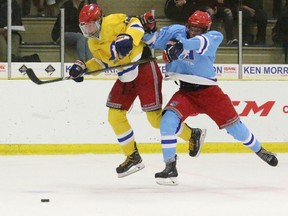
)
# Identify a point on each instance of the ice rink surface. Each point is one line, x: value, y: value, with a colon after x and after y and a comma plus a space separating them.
x: 87, y: 185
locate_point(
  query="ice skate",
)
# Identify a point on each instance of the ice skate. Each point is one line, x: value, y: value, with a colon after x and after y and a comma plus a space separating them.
x: 132, y: 164
x: 169, y: 175
x: 268, y: 157
x: 196, y: 141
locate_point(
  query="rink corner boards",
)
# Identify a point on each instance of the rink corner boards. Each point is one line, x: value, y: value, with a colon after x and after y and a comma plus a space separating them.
x: 60, y: 149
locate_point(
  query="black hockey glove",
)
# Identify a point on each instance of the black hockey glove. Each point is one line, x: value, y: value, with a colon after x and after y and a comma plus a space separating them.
x: 77, y: 70
x: 123, y: 44
x: 173, y: 50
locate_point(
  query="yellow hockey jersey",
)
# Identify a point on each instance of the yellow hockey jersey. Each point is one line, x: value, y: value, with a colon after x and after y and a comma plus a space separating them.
x: 104, y: 52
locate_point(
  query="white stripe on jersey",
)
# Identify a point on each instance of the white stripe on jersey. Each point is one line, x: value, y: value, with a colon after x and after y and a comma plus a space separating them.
x: 137, y: 26
x: 149, y: 39
x: 99, y: 62
x: 204, y: 44
x: 190, y: 78
x: 129, y: 73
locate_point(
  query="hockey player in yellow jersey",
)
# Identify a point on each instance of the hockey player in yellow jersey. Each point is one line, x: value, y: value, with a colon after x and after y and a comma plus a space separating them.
x: 115, y: 40
x: 119, y: 36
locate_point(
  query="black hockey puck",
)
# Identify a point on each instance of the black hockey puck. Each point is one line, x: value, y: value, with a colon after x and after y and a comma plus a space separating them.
x: 45, y: 200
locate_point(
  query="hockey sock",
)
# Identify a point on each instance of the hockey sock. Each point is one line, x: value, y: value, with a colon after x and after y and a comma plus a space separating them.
x: 240, y: 132
x: 154, y: 118
x: 168, y: 127
x: 125, y: 135
x: 184, y: 132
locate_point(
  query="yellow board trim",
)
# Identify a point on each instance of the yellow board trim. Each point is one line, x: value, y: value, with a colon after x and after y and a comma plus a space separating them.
x: 54, y: 149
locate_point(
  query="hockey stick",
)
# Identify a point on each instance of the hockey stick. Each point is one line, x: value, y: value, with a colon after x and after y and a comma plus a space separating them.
x: 30, y: 73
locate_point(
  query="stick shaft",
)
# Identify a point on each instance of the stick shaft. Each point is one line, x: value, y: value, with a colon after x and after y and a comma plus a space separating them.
x: 142, y: 61
x: 30, y: 73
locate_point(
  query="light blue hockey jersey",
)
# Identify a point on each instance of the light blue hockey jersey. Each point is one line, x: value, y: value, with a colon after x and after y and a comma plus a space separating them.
x: 195, y: 64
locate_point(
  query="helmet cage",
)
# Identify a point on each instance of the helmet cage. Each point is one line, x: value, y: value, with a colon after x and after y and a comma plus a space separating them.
x: 91, y: 29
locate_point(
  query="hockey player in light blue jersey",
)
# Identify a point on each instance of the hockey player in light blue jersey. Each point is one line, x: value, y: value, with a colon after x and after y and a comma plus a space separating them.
x: 196, y: 58
x: 189, y: 52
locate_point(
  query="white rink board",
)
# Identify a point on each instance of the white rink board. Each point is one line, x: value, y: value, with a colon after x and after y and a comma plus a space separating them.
x: 223, y: 71
x: 69, y: 113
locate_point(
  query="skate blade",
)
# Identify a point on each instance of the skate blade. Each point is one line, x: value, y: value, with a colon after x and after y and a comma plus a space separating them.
x: 172, y: 181
x: 132, y: 170
x: 203, y: 135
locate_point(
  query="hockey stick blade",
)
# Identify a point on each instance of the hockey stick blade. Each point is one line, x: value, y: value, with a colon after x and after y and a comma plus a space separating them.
x: 30, y: 73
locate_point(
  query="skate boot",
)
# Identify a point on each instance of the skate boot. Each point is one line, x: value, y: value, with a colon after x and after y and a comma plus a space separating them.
x: 132, y: 164
x: 268, y: 157
x: 196, y: 141
x: 169, y: 175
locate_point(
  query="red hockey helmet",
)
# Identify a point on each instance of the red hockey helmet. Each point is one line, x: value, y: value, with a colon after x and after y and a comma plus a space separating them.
x: 90, y: 19
x: 200, y: 19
